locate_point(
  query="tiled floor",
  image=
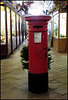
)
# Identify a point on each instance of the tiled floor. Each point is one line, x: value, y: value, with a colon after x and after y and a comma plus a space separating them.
x: 14, y: 80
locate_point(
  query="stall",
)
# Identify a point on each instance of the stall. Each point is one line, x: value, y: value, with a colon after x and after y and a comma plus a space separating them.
x: 11, y: 29
x: 50, y: 32
x: 20, y: 29
x: 17, y: 30
x: 58, y: 27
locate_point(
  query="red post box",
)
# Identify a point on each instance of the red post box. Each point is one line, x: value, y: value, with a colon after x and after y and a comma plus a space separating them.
x: 38, y: 48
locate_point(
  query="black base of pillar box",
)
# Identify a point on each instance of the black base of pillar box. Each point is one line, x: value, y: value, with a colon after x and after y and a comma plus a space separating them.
x: 38, y: 83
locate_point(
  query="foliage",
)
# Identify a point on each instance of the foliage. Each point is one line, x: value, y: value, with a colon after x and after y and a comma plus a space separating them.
x: 24, y: 53
x: 49, y: 59
x: 61, y: 35
x: 24, y: 58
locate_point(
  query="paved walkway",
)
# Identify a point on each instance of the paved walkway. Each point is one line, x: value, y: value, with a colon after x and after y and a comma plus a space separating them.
x: 14, y: 80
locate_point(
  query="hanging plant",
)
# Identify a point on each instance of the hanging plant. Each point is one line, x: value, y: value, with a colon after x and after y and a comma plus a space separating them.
x: 25, y: 61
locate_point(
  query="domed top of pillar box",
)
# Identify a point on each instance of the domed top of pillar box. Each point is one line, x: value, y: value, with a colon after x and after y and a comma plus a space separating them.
x: 37, y: 18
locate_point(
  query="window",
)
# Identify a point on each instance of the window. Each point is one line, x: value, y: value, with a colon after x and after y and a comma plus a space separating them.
x: 20, y: 25
x: 3, y: 31
x: 27, y: 26
x: 56, y: 26
x: 17, y: 25
x: 62, y: 25
x: 13, y: 25
x: 8, y: 25
x: 49, y: 28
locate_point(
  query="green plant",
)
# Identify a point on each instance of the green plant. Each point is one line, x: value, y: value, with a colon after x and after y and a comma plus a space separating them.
x: 49, y: 59
x: 61, y: 35
x: 24, y: 58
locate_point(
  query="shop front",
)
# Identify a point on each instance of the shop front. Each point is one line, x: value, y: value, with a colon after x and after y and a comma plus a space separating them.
x: 59, y: 33
x: 11, y: 29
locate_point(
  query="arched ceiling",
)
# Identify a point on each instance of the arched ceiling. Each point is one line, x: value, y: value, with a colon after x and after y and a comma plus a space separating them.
x: 44, y: 5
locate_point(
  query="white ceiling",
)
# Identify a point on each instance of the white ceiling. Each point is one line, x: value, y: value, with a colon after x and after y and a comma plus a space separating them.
x: 38, y: 7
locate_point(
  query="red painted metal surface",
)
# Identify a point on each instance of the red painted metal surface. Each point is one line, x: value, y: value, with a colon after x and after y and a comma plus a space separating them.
x: 38, y: 51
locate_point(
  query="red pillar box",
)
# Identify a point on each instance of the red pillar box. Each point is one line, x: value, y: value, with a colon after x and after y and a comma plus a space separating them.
x: 38, y: 65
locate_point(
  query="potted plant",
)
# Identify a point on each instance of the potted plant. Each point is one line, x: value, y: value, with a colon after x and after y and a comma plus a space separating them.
x: 25, y: 61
